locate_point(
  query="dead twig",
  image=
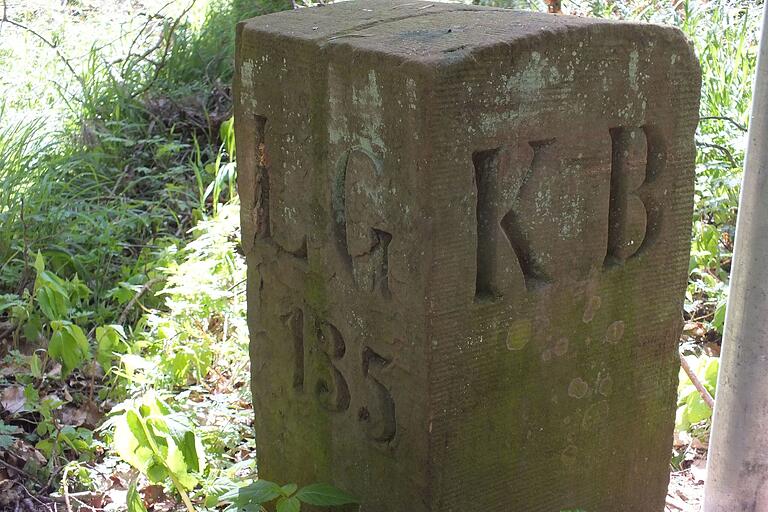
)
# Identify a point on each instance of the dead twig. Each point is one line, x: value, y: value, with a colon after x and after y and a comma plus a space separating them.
x: 19, y: 470
x: 65, y: 488
x: 697, y: 383
x: 131, y: 303
x: 168, y: 41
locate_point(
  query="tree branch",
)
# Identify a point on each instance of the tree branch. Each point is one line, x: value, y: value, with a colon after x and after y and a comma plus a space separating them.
x: 725, y: 118
x: 697, y: 383
x: 42, y: 38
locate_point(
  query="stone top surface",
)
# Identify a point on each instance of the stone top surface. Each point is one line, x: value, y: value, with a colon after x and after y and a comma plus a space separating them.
x: 429, y: 31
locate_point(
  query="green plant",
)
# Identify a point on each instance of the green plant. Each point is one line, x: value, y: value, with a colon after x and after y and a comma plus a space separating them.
x: 159, y: 442
x: 287, y: 498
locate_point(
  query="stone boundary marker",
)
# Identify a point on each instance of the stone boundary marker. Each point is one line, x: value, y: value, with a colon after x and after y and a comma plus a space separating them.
x: 467, y: 232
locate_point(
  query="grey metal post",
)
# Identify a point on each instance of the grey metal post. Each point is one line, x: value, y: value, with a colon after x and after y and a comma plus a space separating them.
x: 737, y: 478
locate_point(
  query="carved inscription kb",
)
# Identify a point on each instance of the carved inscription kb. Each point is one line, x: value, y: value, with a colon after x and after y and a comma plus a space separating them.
x: 536, y: 213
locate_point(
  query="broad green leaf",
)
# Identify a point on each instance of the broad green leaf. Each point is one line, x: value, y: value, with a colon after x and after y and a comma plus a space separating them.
x: 45, y: 446
x: 696, y: 409
x: 130, y: 441
x: 53, y: 303
x: 157, y: 473
x: 288, y: 505
x: 80, y: 339
x: 68, y: 345
x: 110, y: 340
x: 178, y: 465
x: 324, y: 495
x: 260, y: 491
x: 289, y: 489
x: 61, y: 349
x: 710, y: 373
x: 192, y: 451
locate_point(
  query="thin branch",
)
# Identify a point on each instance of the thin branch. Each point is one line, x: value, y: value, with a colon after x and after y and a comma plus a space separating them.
x: 166, y: 50
x: 131, y: 303
x: 725, y: 118
x: 41, y: 37
x: 697, y: 383
x: 19, y: 470
x: 723, y: 150
x: 65, y: 487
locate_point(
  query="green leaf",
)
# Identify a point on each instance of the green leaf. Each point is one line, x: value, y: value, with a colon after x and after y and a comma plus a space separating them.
x: 6, y: 434
x: 35, y: 366
x: 696, y: 409
x: 33, y: 327
x: 288, y: 489
x: 39, y: 263
x: 80, y: 339
x: 133, y: 500
x: 5, y: 441
x: 131, y: 442
x: 260, y: 491
x: 53, y: 303
x: 718, y: 320
x: 288, y: 505
x: 710, y: 373
x: 110, y: 340
x: 324, y: 495
x: 68, y: 345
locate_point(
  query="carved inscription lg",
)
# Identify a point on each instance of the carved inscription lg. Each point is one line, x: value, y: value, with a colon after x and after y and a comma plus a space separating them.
x: 321, y: 357
x: 361, y: 199
x: 548, y: 191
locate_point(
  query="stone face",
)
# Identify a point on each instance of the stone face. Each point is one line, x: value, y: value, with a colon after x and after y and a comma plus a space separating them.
x: 467, y: 233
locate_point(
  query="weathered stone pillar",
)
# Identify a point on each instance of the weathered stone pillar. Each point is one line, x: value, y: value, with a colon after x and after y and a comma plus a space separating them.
x: 467, y: 233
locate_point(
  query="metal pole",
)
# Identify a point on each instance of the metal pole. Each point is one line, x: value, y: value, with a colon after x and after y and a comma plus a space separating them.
x: 737, y: 477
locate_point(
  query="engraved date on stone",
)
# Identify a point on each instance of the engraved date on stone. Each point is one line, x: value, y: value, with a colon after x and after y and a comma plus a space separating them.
x: 323, y: 356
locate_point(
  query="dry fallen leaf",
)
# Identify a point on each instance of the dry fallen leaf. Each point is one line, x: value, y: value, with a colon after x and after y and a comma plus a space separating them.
x: 153, y: 494
x: 72, y: 416
x: 12, y: 399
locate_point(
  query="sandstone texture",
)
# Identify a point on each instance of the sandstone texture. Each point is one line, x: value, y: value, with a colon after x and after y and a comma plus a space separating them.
x: 467, y: 232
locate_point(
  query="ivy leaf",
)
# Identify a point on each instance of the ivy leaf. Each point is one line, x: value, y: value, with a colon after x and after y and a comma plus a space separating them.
x: 324, y: 495
x: 288, y: 505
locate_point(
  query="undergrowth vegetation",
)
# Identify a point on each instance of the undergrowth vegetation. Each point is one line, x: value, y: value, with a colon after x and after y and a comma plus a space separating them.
x: 124, y: 378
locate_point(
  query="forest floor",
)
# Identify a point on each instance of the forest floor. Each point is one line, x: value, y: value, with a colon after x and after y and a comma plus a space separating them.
x: 122, y: 306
